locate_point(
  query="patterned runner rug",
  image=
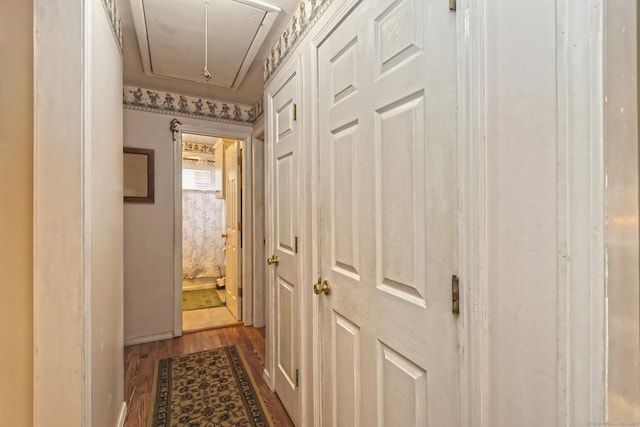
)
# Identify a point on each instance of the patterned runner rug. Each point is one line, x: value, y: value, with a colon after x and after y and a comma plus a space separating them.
x: 207, y: 389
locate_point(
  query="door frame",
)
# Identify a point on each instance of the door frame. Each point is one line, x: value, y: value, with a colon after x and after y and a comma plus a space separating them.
x: 259, y: 224
x: 472, y: 244
x: 231, y: 152
x: 580, y: 180
x: 246, y: 273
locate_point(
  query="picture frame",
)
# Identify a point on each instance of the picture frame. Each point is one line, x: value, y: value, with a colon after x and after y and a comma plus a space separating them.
x: 138, y: 175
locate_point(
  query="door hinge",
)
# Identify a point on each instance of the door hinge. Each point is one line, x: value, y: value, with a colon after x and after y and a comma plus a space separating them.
x: 295, y: 112
x: 240, y: 292
x: 239, y: 226
x: 239, y: 160
x: 452, y: 4
x: 455, y: 294
x: 295, y: 245
x: 297, y: 377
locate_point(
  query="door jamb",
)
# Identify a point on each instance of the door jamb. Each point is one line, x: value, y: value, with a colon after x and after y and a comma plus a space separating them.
x: 580, y: 182
x: 223, y: 131
x: 259, y: 224
x: 581, y: 216
x: 474, y: 324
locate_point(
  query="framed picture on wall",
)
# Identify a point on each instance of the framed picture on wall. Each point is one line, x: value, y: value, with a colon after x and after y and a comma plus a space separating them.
x: 138, y: 175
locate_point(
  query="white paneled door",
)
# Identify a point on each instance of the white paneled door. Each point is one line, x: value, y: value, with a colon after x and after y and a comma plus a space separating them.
x: 387, y: 204
x: 233, y: 283
x: 284, y: 213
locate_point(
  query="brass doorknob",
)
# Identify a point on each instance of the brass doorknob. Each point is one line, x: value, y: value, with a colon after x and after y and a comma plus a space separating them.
x: 322, y: 287
x: 272, y: 260
x: 225, y: 235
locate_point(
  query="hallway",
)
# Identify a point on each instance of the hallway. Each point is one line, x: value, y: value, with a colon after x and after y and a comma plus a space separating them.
x: 141, y: 359
x: 443, y: 192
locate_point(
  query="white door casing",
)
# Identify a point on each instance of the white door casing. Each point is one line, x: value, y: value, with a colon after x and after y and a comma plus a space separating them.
x: 388, y: 216
x: 221, y: 130
x: 282, y: 240
x: 233, y: 282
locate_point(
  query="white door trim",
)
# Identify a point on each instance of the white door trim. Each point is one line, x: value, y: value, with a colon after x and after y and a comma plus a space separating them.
x: 258, y: 230
x: 176, y: 128
x: 224, y: 131
x: 581, y: 175
x: 474, y: 324
x: 581, y: 213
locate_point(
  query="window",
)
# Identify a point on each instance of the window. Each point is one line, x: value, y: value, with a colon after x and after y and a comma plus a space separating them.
x: 198, y: 175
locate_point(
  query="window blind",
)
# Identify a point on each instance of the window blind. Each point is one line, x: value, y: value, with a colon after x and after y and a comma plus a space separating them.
x: 198, y: 175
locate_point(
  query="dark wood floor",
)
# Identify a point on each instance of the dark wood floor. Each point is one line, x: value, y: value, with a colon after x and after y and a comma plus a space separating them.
x: 140, y: 362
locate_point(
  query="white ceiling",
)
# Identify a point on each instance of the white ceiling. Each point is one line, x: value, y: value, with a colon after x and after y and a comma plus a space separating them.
x: 163, y: 44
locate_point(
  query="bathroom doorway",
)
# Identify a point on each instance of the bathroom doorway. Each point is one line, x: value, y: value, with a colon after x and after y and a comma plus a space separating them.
x: 211, y: 231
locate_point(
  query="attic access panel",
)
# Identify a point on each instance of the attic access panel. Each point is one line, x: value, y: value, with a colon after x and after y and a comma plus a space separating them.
x: 171, y: 37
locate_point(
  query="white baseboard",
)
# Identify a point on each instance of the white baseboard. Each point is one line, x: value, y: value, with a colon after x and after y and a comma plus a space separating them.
x: 267, y: 378
x: 123, y: 415
x: 149, y: 338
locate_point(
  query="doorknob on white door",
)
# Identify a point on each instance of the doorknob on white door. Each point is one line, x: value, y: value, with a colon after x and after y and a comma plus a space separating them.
x: 322, y: 287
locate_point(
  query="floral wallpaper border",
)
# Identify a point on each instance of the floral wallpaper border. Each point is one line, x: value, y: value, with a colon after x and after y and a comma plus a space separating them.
x: 159, y: 101
x: 192, y: 147
x: 258, y: 108
x: 111, y: 8
x: 304, y: 16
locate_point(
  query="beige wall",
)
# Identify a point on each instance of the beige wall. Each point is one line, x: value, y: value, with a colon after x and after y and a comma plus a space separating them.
x: 60, y: 216
x: 16, y: 230
x: 77, y: 218
x: 148, y: 235
x: 106, y: 329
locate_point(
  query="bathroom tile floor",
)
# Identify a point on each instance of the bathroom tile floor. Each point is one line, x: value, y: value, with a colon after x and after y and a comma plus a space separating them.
x: 208, y: 318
